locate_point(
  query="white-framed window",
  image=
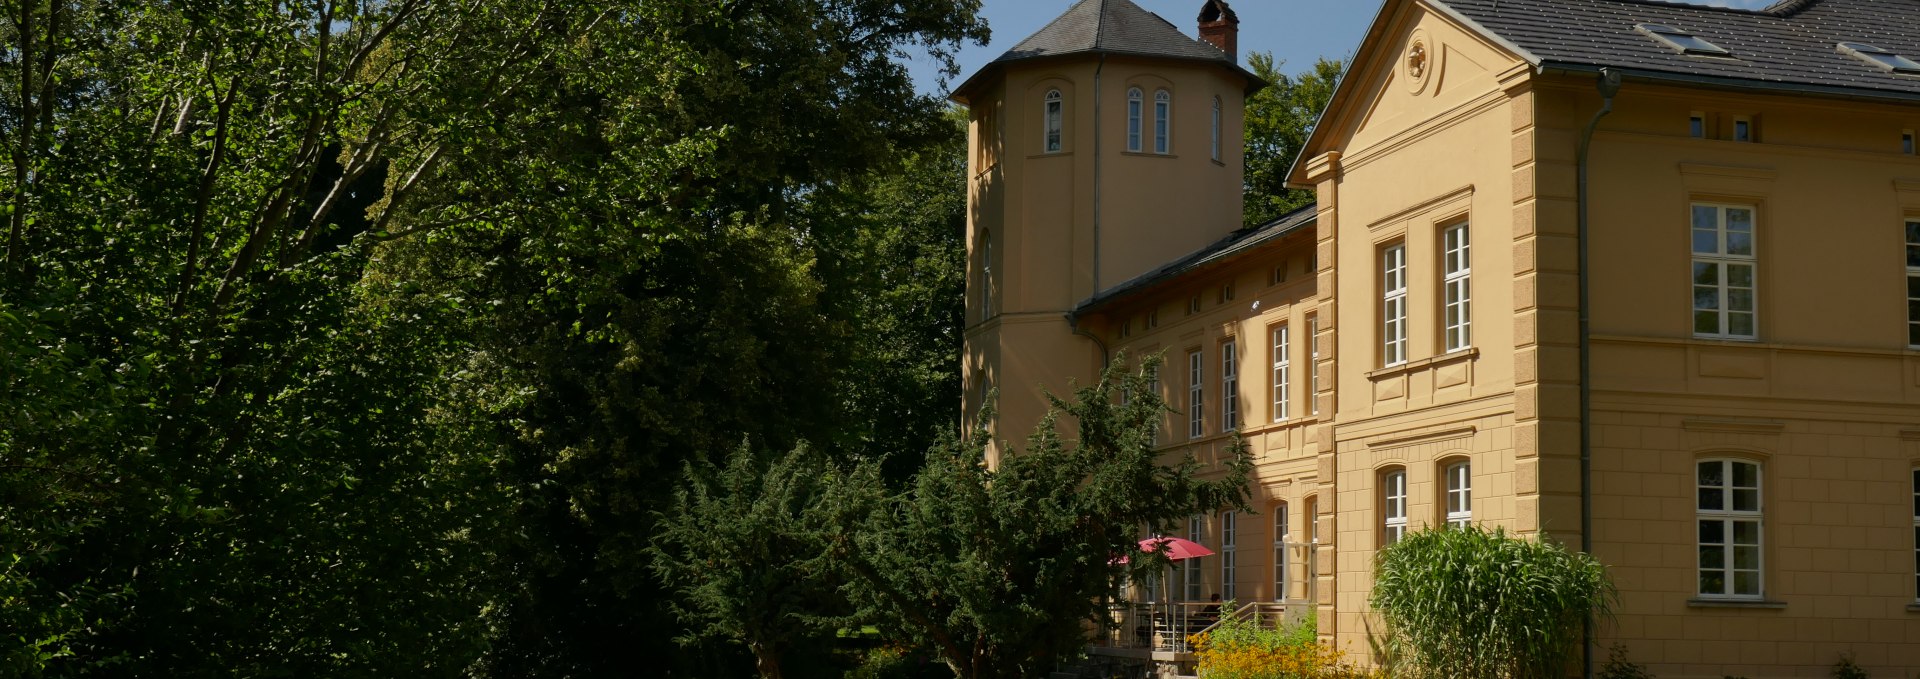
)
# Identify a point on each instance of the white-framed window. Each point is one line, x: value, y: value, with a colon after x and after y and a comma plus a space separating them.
x: 1229, y: 529
x: 1280, y: 552
x: 1393, y: 305
x: 1055, y: 109
x: 1393, y: 506
x: 1196, y: 395
x: 1197, y: 532
x: 1282, y: 373
x: 1913, y: 283
x: 1724, y: 272
x: 1216, y: 128
x: 1313, y: 549
x: 1162, y: 120
x: 986, y: 275
x: 1133, y: 119
x: 1457, y: 285
x: 1916, y: 534
x: 1313, y: 365
x: 1229, y: 387
x: 1730, y: 528
x: 1459, y: 493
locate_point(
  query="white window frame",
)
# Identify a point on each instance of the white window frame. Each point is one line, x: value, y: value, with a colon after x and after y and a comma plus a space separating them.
x: 1282, y: 373
x: 1459, y: 475
x: 1216, y: 128
x: 1162, y: 122
x: 1393, y: 305
x: 1728, y: 519
x: 1191, y: 574
x: 1054, y: 111
x: 1313, y: 549
x: 1280, y: 527
x: 1913, y: 282
x: 1722, y: 261
x: 1196, y: 394
x: 1229, y: 535
x: 1393, y: 506
x: 1456, y: 283
x: 1313, y: 364
x: 986, y: 275
x: 1134, y: 111
x: 1229, y: 386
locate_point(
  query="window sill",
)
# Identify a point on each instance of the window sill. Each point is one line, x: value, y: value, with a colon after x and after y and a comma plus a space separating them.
x: 1466, y: 354
x: 1729, y: 340
x: 1050, y: 154
x: 1149, y: 154
x: 1913, y: 607
x: 1736, y: 603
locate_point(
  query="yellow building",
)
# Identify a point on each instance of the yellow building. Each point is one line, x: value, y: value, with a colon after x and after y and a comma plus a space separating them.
x: 1742, y: 444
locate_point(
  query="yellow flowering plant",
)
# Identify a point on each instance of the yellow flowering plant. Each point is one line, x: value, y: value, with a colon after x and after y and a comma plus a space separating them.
x: 1242, y: 649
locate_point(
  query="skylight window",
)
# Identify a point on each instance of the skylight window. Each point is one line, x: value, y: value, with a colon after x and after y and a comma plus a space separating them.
x: 1682, y: 41
x: 1883, y: 59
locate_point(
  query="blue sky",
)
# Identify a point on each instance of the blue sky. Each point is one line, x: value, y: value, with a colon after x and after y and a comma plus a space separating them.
x: 1295, y: 31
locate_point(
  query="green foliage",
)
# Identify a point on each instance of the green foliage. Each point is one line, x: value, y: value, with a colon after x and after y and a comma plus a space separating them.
x: 1468, y: 602
x: 1846, y: 668
x: 1280, y: 118
x: 1620, y: 667
x: 1001, y: 571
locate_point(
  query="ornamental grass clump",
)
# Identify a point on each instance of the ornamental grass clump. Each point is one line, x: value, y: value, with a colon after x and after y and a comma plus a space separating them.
x: 1469, y: 602
x: 1242, y: 649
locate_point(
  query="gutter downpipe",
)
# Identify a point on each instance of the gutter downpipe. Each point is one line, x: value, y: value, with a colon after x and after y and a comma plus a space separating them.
x: 1609, y: 85
x: 1073, y: 320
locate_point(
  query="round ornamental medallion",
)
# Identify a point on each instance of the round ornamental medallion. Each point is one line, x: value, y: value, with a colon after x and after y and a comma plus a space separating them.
x: 1417, y: 63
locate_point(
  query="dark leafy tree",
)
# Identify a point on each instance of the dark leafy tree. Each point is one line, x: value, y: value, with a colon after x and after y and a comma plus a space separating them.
x: 1280, y: 118
x: 1001, y: 571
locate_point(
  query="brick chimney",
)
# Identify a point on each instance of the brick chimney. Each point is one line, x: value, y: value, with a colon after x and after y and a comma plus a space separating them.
x: 1220, y: 27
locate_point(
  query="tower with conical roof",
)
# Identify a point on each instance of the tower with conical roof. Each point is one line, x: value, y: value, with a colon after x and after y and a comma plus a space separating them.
x: 1102, y: 147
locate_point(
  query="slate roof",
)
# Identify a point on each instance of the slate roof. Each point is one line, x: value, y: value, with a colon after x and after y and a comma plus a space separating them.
x: 1110, y: 27
x: 1790, y: 45
x: 1234, y: 244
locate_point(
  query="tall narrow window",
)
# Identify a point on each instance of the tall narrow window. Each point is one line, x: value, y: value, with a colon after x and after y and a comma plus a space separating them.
x: 986, y: 275
x: 1229, y: 530
x: 1282, y: 373
x: 1723, y: 271
x: 1393, y: 306
x: 1457, y: 282
x: 1229, y: 387
x: 1055, y: 114
x: 1162, y: 112
x: 1913, y: 283
x: 1313, y: 546
x: 1459, y: 494
x: 1730, y: 521
x: 1196, y: 395
x: 1393, y: 487
x: 1280, y: 552
x: 1916, y: 534
x: 1196, y: 531
x: 1133, y: 119
x: 1313, y: 365
x: 1216, y: 128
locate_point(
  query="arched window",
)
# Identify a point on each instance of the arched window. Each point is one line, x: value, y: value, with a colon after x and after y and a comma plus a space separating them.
x: 1459, y: 476
x: 1393, y: 505
x: 1216, y: 128
x: 986, y: 275
x: 1728, y: 498
x: 1162, y: 113
x: 1280, y: 552
x: 1055, y: 113
x: 1133, y: 120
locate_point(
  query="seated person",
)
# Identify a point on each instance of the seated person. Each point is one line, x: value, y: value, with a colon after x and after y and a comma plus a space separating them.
x: 1213, y: 608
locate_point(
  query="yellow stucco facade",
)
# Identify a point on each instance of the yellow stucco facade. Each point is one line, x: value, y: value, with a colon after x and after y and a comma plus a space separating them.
x: 1784, y: 384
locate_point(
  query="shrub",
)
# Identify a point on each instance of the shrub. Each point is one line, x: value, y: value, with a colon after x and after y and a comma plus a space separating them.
x: 1242, y: 649
x: 1468, y: 602
x: 1619, y: 667
x: 1848, y: 669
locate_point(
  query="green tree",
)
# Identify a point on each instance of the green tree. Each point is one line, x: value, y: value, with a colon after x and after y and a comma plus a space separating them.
x: 1469, y: 602
x: 1280, y: 118
x: 1001, y: 570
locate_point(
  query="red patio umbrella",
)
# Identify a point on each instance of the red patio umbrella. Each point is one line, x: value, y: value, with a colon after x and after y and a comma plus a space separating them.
x: 1178, y: 549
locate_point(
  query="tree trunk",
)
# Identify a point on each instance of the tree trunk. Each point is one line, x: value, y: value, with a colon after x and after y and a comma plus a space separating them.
x: 766, y: 660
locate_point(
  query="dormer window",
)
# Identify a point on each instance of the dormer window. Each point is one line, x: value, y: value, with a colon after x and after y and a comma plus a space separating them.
x: 1883, y: 59
x: 1682, y: 41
